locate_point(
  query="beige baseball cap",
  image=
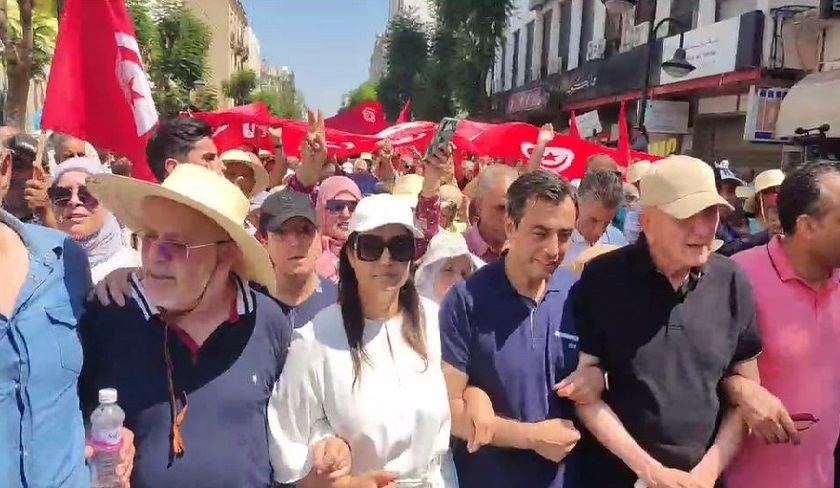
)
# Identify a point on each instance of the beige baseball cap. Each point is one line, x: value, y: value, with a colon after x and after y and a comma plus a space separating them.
x: 680, y: 186
x: 637, y: 170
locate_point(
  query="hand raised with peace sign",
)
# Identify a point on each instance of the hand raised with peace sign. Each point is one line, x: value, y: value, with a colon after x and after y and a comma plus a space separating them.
x: 313, y: 150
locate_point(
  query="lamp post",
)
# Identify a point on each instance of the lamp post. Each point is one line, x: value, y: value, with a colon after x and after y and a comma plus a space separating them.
x: 676, y: 67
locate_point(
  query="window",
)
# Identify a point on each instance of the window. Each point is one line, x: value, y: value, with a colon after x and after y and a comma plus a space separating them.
x: 587, y: 30
x: 684, y: 11
x: 645, y: 11
x: 503, y: 64
x: 546, y: 44
x: 529, y: 52
x: 565, y: 27
x: 514, y: 72
x: 612, y: 34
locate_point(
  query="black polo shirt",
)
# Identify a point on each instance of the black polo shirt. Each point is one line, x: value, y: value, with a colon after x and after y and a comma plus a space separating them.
x: 665, y: 353
x: 228, y: 381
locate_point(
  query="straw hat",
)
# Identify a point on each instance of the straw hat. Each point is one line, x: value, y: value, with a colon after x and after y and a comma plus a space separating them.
x: 637, y: 170
x: 764, y: 181
x: 451, y: 193
x: 260, y: 174
x: 589, y: 254
x: 199, y: 189
x: 408, y: 187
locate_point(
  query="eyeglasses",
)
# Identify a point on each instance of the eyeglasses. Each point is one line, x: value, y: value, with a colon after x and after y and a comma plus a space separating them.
x: 173, y: 250
x: 803, y: 421
x: 370, y: 248
x: 61, y: 196
x: 336, y: 206
x: 68, y: 155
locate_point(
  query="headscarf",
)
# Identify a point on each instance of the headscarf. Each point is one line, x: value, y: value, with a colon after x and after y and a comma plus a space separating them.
x: 327, y: 264
x: 442, y: 247
x: 107, y: 241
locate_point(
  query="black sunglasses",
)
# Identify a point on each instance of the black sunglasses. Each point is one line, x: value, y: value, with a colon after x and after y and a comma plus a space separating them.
x: 370, y: 248
x: 336, y: 206
x: 61, y: 196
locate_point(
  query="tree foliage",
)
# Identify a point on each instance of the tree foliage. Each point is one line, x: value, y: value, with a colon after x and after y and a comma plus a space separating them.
x: 240, y: 86
x: 367, y: 91
x: 472, y: 31
x: 282, y: 100
x: 174, y: 47
x: 407, y: 56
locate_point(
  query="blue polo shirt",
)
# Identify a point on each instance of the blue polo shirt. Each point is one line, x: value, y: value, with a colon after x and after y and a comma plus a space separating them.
x: 515, y: 350
x: 325, y: 295
x: 227, y: 382
x: 42, y: 437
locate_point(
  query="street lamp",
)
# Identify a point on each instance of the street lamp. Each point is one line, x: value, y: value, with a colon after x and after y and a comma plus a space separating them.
x: 676, y: 67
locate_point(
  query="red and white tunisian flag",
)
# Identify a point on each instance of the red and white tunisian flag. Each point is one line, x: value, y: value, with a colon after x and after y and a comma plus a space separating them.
x: 409, y: 134
x: 366, y: 118
x: 97, y: 89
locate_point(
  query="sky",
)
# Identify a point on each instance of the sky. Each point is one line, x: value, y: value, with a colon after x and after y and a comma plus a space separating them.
x: 327, y: 43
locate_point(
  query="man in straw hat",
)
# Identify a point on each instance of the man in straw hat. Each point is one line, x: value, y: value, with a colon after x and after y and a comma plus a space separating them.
x: 245, y: 170
x: 196, y: 352
x: 760, y: 200
x: 680, y: 320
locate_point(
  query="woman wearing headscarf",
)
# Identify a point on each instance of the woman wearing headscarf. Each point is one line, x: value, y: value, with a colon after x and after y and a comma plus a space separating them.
x: 376, y: 380
x: 447, y: 261
x: 85, y: 220
x: 337, y: 199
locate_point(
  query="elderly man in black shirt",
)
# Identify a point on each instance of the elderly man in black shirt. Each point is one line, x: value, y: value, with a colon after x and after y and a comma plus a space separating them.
x: 680, y: 319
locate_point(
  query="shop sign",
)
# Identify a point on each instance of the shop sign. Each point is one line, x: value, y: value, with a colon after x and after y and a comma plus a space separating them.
x: 829, y: 9
x: 667, y: 117
x: 522, y: 101
x: 619, y: 73
x: 763, y: 105
x: 663, y: 144
x: 712, y: 49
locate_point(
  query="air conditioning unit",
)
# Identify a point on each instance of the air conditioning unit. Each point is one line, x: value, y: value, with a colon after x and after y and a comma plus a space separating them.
x: 640, y: 33
x: 535, y: 73
x: 554, y: 65
x: 595, y: 49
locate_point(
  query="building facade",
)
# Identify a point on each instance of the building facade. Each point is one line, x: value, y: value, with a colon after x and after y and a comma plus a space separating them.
x: 271, y: 76
x: 229, y: 50
x: 574, y: 56
x: 420, y: 8
x: 378, y: 63
x: 254, y: 62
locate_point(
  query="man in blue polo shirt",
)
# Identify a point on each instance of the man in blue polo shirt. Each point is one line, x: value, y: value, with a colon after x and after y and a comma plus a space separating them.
x: 289, y: 228
x: 195, y: 353
x: 501, y: 333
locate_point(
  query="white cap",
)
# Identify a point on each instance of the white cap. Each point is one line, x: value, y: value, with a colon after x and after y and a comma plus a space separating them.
x: 379, y: 210
x: 108, y: 395
x: 347, y: 167
x: 445, y: 245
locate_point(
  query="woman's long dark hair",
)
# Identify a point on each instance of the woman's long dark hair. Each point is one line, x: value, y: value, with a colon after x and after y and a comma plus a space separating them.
x: 413, y: 326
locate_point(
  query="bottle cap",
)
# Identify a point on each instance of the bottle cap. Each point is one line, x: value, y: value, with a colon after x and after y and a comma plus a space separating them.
x: 108, y: 395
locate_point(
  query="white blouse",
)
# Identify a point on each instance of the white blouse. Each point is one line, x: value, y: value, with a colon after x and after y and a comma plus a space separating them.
x: 395, y: 419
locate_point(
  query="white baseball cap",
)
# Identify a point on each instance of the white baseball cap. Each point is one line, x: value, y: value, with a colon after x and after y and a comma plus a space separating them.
x: 376, y: 211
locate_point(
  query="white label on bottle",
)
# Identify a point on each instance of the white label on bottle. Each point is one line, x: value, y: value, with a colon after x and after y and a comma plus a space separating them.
x: 107, y: 437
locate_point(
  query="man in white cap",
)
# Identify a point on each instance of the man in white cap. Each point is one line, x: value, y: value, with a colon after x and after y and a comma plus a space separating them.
x: 195, y: 353
x: 678, y: 320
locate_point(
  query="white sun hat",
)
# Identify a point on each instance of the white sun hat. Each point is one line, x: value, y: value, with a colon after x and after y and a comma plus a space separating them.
x: 199, y: 189
x: 764, y: 181
x: 379, y: 210
x: 444, y: 245
x: 261, y: 177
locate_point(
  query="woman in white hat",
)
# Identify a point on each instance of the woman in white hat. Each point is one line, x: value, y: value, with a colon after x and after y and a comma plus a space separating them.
x: 81, y: 216
x: 447, y: 261
x: 368, y: 370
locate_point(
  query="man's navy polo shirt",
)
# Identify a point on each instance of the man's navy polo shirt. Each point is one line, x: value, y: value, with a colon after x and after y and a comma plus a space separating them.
x: 228, y: 381
x: 515, y: 350
x: 325, y: 295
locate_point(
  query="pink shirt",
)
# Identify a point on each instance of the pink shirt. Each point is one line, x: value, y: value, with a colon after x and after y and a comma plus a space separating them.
x: 800, y: 364
x: 478, y: 246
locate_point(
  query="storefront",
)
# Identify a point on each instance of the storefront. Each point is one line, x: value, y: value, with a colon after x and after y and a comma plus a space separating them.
x: 727, y: 56
x: 536, y: 104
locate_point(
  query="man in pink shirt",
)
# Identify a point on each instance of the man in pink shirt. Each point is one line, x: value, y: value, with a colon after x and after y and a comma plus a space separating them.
x: 796, y: 283
x: 486, y: 239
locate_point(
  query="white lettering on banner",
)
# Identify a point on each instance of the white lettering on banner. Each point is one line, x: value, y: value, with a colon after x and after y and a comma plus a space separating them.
x: 248, y: 131
x: 135, y: 84
x: 343, y: 146
x: 369, y: 115
x: 219, y: 130
x: 408, y: 139
x: 557, y: 159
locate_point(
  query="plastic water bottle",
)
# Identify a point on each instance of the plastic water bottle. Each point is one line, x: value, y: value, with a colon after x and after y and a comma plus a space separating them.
x: 106, y: 436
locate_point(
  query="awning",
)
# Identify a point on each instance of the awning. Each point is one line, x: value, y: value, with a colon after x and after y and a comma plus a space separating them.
x: 811, y: 103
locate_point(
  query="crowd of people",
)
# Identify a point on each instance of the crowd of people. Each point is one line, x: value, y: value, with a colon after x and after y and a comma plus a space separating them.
x: 275, y: 321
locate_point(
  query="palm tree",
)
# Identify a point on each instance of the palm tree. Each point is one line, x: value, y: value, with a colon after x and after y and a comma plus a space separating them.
x: 239, y: 87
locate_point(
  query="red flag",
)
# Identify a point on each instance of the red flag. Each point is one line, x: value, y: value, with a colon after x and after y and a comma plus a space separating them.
x: 410, y: 134
x: 97, y: 89
x: 240, y: 126
x: 404, y: 114
x: 365, y: 118
x: 623, y: 138
x: 339, y: 143
x: 573, y: 128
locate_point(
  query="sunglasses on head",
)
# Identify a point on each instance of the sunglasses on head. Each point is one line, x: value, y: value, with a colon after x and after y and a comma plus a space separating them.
x: 370, y: 248
x: 336, y: 206
x: 61, y: 196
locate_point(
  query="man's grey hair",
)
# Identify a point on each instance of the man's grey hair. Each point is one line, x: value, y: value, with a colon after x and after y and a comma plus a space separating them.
x: 492, y: 174
x: 603, y: 187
